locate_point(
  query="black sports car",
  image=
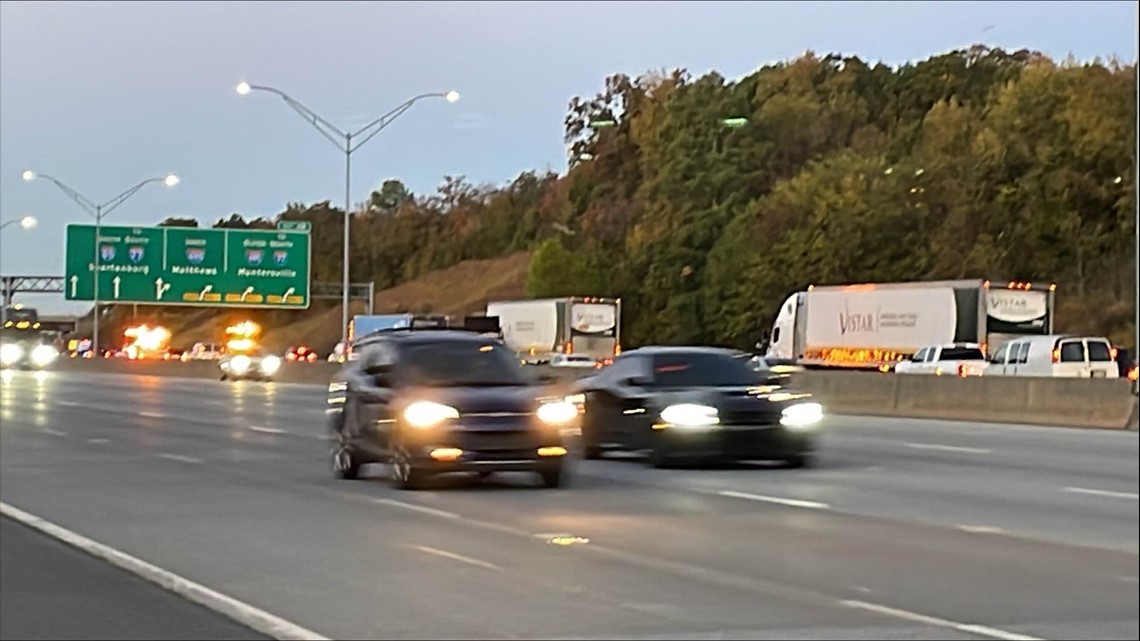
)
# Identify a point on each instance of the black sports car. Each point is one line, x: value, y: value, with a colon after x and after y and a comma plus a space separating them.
x: 431, y: 402
x: 696, y: 402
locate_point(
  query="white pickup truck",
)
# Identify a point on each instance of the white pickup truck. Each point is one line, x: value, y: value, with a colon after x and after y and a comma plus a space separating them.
x: 958, y: 359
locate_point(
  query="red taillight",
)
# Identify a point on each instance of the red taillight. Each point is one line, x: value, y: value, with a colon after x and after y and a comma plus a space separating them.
x: 1112, y: 352
x: 1132, y: 373
x: 1057, y: 355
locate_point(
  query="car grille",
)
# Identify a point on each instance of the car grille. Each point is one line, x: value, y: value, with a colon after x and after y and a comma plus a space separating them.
x: 504, y: 443
x: 750, y: 417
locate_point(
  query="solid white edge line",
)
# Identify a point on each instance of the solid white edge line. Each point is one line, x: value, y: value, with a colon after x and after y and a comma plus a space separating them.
x: 914, y: 617
x: 1108, y: 493
x: 811, y: 505
x: 244, y: 613
x: 457, y: 557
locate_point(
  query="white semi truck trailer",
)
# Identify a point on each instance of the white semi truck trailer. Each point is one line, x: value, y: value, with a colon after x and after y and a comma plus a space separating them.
x: 539, y: 329
x: 875, y: 325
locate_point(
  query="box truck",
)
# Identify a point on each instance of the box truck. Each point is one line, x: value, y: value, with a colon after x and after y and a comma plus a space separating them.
x: 538, y: 329
x: 878, y: 324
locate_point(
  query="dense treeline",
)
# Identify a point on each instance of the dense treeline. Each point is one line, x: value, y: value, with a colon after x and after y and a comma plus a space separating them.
x: 704, y: 202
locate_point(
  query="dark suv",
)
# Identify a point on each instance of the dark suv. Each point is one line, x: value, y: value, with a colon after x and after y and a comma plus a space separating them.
x: 429, y: 402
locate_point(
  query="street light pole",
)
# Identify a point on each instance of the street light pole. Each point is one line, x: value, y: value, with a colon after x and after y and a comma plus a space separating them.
x: 98, y: 211
x: 27, y: 222
x: 346, y: 142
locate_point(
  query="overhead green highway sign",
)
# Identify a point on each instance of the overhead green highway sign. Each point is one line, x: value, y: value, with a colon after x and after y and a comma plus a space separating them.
x: 190, y: 266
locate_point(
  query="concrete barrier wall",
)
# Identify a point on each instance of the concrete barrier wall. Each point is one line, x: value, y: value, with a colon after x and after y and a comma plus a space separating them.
x: 1037, y: 401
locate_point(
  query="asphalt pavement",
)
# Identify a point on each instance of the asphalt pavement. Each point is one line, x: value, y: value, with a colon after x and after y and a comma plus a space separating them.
x: 53, y: 591
x: 907, y: 529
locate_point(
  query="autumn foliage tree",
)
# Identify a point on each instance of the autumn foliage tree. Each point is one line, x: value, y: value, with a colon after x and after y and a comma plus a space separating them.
x: 703, y: 202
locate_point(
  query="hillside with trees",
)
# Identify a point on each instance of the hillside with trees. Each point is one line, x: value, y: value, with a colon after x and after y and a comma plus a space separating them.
x: 703, y: 202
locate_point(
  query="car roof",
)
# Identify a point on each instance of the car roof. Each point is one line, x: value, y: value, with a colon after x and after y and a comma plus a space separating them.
x: 411, y: 336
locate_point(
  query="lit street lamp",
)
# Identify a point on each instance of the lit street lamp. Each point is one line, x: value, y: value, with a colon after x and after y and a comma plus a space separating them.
x: 98, y: 211
x: 347, y: 142
x: 27, y: 222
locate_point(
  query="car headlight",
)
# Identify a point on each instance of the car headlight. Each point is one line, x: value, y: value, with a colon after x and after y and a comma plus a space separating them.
x: 270, y: 364
x: 43, y: 354
x: 10, y: 353
x: 426, y: 414
x: 801, y: 416
x: 690, y: 415
x: 239, y: 364
x: 557, y: 412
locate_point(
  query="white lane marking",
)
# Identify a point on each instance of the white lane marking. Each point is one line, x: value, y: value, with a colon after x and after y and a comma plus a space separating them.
x: 266, y: 430
x: 1108, y: 493
x: 417, y: 508
x: 152, y: 414
x: 980, y: 630
x: 948, y: 448
x: 48, y: 430
x: 244, y: 613
x: 811, y: 505
x: 98, y: 441
x: 981, y: 529
x: 457, y: 557
x: 181, y: 459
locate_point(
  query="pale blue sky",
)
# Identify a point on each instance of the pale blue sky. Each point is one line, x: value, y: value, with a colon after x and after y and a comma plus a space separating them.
x: 103, y: 94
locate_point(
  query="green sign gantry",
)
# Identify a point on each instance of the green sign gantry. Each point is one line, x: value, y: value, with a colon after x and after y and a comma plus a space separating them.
x: 190, y: 266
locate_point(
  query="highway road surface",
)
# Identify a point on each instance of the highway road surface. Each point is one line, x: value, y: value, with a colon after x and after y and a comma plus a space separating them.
x: 907, y: 529
x: 49, y: 590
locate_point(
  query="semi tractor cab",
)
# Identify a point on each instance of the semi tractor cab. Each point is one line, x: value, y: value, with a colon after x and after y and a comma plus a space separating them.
x: 876, y: 325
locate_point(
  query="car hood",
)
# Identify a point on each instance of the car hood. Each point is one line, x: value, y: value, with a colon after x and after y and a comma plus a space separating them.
x: 731, y: 399
x: 523, y: 399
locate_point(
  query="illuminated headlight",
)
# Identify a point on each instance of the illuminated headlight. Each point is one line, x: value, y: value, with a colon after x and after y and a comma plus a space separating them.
x: 270, y: 365
x: 689, y: 415
x: 802, y: 416
x: 557, y: 413
x: 426, y: 414
x: 43, y: 355
x: 239, y: 364
x: 10, y: 353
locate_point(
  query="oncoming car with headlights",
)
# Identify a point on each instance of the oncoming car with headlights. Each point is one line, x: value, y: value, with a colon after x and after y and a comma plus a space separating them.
x: 255, y: 364
x: 697, y: 403
x: 430, y: 402
x: 26, y: 347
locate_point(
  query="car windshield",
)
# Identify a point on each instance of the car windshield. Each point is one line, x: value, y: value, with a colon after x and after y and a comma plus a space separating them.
x: 705, y: 370
x: 461, y: 363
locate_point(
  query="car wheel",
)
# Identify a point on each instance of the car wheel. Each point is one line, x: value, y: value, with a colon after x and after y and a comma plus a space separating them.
x: 553, y: 477
x: 345, y: 465
x: 402, y: 474
x: 591, y: 451
x: 660, y: 459
x: 800, y: 461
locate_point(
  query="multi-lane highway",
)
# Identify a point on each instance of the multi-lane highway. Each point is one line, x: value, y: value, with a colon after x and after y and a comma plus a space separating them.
x: 907, y: 529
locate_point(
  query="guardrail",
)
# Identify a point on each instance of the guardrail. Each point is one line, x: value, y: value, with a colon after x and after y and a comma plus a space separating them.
x: 1038, y: 401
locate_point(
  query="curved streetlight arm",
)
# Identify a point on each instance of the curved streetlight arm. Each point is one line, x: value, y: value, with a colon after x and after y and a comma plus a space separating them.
x: 112, y: 204
x: 80, y: 199
x: 383, y: 121
x: 326, y: 128
x: 10, y: 222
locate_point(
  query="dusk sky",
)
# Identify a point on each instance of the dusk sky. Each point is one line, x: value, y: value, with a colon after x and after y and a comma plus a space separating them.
x: 102, y: 95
